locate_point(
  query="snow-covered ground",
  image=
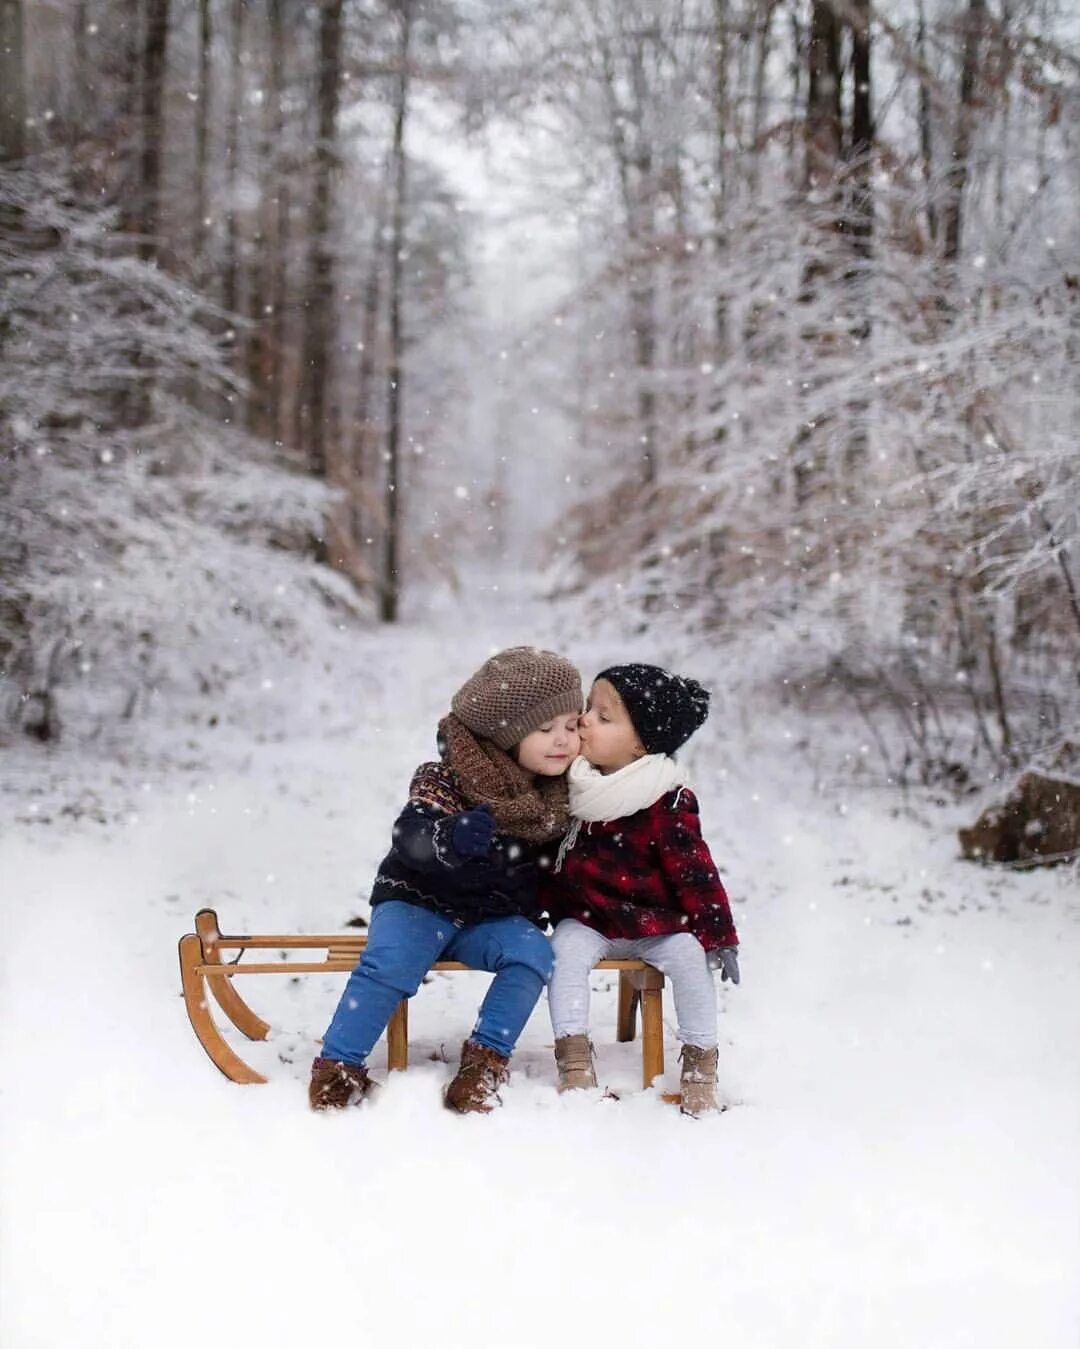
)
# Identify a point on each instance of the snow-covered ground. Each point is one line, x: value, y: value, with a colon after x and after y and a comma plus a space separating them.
x: 900, y: 1165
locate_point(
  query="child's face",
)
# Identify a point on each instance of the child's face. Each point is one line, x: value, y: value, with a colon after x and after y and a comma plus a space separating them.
x: 608, y: 738
x: 550, y: 750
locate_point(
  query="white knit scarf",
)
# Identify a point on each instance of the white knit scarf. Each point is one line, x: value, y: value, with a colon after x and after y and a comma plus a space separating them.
x: 611, y: 796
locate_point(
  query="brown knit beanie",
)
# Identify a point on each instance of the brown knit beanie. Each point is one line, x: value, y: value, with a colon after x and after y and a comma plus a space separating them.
x: 516, y: 692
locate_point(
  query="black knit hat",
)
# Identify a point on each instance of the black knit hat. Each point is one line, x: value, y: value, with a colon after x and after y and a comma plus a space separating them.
x: 666, y: 709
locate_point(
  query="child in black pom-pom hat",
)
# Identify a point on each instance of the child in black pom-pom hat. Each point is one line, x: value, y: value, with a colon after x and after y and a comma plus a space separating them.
x: 634, y: 877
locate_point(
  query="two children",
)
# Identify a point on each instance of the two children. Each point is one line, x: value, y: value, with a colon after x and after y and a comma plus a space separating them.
x: 473, y: 862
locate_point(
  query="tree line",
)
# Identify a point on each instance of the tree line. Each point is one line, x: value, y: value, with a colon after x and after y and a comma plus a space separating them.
x: 812, y: 339
x: 824, y: 324
x: 219, y: 261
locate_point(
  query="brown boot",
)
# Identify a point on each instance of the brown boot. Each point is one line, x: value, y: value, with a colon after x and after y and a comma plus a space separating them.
x: 335, y: 1085
x: 574, y: 1060
x: 476, y: 1086
x: 698, y: 1080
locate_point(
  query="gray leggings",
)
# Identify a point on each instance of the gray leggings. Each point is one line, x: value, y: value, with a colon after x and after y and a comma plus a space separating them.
x: 680, y: 956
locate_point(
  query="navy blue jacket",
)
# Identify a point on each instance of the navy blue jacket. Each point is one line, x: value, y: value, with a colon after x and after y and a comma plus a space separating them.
x: 422, y: 867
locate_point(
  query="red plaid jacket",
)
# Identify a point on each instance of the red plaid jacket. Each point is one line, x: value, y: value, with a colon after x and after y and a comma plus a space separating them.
x: 646, y: 875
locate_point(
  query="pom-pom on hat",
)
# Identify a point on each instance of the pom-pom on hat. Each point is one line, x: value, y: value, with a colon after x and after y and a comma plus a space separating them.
x: 666, y: 709
x: 515, y: 693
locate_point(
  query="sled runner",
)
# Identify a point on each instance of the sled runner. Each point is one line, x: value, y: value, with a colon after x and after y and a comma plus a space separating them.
x: 202, y: 968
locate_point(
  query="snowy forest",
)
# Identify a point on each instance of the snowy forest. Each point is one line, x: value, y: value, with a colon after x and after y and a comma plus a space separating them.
x: 748, y: 322
x: 345, y: 344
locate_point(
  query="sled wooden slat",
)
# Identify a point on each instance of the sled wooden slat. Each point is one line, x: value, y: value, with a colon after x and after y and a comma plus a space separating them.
x: 219, y: 971
x: 198, y: 1010
x: 230, y: 1002
x: 203, y: 972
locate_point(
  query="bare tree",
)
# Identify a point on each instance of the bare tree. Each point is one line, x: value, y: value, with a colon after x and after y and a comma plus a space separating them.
x: 12, y: 82
x: 156, y: 36
x: 824, y: 125
x: 203, y: 110
x: 859, y: 219
x: 312, y: 405
x: 926, y: 126
x: 279, y: 237
x: 956, y: 179
x: 860, y: 216
x: 230, y: 291
x: 141, y: 213
x: 390, y: 587
x: 81, y: 68
x: 364, y: 418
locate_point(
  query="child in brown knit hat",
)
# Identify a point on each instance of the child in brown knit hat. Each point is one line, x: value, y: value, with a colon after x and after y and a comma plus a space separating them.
x: 460, y: 880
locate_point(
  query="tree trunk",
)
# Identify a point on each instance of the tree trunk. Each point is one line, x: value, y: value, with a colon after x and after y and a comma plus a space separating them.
x: 231, y: 278
x: 79, y: 108
x: 319, y: 285
x: 280, y: 244
x: 757, y: 122
x: 390, y: 597
x: 722, y: 109
x: 823, y: 107
x: 795, y: 72
x: 1006, y: 48
x: 153, y: 130
x: 926, y: 133
x: 202, y: 135
x: 364, y: 416
x: 643, y: 317
x: 859, y: 222
x: 13, y: 107
x: 259, y: 414
x: 643, y: 282
x: 261, y: 275
x: 279, y: 236
x: 125, y: 65
x: 142, y: 215
x: 974, y: 23
x: 824, y: 152
x: 127, y: 52
x: 633, y: 167
x: 861, y: 217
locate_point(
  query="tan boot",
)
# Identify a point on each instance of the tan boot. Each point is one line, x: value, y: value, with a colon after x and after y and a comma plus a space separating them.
x: 476, y: 1086
x: 574, y: 1060
x: 335, y: 1085
x: 698, y: 1080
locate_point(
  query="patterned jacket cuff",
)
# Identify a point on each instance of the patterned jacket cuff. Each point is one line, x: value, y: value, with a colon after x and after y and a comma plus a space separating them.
x: 442, y: 843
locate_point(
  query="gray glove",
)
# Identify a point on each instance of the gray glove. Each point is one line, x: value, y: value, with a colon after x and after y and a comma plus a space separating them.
x: 726, y: 960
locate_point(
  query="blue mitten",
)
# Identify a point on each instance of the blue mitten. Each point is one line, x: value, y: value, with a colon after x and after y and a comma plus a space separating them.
x: 473, y: 831
x: 726, y: 960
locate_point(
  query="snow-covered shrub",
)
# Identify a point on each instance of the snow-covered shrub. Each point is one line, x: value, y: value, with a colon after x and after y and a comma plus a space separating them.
x: 160, y: 560
x: 892, y: 515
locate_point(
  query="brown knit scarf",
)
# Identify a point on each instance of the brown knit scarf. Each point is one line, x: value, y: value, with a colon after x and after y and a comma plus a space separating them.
x: 528, y: 807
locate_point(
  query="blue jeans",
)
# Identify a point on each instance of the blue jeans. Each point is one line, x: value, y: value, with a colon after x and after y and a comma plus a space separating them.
x: 404, y: 941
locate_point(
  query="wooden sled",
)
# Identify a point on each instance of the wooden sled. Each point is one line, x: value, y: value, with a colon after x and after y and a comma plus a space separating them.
x: 203, y: 971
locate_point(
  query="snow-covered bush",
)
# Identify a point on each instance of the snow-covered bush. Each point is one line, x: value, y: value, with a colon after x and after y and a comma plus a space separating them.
x: 894, y: 516
x: 155, y: 554
x: 818, y: 358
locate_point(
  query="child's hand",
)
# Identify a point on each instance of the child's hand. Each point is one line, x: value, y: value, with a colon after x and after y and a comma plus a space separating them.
x: 473, y: 832
x: 726, y: 960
